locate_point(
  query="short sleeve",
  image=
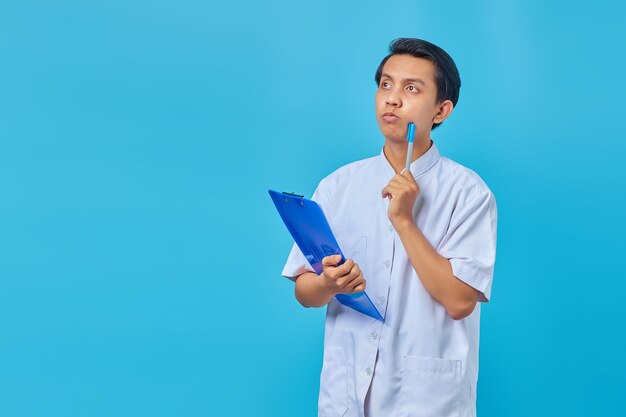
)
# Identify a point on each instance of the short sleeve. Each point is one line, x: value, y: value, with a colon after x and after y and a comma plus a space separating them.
x: 470, y: 243
x: 296, y: 262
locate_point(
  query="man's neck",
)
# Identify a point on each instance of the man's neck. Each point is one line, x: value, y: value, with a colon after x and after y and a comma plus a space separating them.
x: 396, y: 152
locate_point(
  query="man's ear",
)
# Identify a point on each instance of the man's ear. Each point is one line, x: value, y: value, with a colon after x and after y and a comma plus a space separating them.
x: 445, y: 110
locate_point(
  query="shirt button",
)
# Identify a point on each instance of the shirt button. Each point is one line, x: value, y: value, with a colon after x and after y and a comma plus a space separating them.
x: 387, y: 264
x: 374, y: 335
x: 368, y: 371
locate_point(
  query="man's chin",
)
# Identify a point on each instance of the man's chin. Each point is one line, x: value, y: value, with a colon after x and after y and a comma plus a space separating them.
x: 395, y: 138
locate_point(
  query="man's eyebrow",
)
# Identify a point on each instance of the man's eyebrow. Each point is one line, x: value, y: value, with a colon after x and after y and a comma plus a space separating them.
x: 414, y: 80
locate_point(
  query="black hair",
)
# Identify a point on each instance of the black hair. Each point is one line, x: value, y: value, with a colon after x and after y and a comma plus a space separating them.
x: 447, y: 75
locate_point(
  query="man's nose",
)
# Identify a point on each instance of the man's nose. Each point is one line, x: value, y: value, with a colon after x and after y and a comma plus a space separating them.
x: 393, y: 99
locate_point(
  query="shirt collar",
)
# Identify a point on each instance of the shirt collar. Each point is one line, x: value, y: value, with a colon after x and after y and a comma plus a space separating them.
x: 418, y: 167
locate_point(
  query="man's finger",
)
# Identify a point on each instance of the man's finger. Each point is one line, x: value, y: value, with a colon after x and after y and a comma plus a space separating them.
x: 393, y: 190
x: 356, y: 280
x: 408, y: 175
x: 360, y: 287
x: 406, y: 178
x: 331, y: 260
x: 344, y: 268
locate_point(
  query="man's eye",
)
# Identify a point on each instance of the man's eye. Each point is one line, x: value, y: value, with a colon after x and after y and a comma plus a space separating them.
x: 413, y: 88
x: 384, y: 84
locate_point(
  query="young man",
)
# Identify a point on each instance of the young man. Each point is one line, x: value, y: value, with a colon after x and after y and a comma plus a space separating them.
x: 425, y: 241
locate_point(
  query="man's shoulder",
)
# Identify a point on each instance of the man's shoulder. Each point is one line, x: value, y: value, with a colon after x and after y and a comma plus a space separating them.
x: 349, y: 170
x: 463, y: 177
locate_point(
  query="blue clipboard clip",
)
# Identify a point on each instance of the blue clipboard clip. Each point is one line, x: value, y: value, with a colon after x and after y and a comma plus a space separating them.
x: 309, y: 227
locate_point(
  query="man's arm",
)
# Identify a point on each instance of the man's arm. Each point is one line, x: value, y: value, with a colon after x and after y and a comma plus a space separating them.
x: 434, y: 270
x: 310, y: 292
x: 314, y: 290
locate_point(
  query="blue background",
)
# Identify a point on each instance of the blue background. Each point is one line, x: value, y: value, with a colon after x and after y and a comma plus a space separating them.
x: 140, y: 254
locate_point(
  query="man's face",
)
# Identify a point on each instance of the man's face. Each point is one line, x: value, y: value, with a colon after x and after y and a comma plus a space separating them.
x: 407, y: 90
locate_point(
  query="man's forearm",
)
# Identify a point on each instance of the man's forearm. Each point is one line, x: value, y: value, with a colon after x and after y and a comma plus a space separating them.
x: 435, y: 272
x: 310, y: 291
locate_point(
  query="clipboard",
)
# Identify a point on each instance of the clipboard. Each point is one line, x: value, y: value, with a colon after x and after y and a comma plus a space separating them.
x: 309, y: 227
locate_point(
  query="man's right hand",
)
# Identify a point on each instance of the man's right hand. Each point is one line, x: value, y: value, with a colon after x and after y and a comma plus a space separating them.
x: 346, y: 278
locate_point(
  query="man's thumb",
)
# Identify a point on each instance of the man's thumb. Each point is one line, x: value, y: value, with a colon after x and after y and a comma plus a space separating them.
x: 333, y: 260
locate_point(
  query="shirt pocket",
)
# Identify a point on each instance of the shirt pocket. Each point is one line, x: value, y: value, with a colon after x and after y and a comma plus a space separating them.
x: 333, y: 399
x: 353, y: 244
x: 430, y: 387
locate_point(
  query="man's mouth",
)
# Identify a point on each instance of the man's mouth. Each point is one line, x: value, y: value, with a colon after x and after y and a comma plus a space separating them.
x: 390, y: 117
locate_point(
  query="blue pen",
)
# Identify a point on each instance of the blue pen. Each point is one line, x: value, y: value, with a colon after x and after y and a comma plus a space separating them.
x: 409, y: 139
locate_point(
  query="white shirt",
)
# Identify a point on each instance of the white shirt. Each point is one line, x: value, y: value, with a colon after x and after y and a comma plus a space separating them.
x: 419, y: 362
